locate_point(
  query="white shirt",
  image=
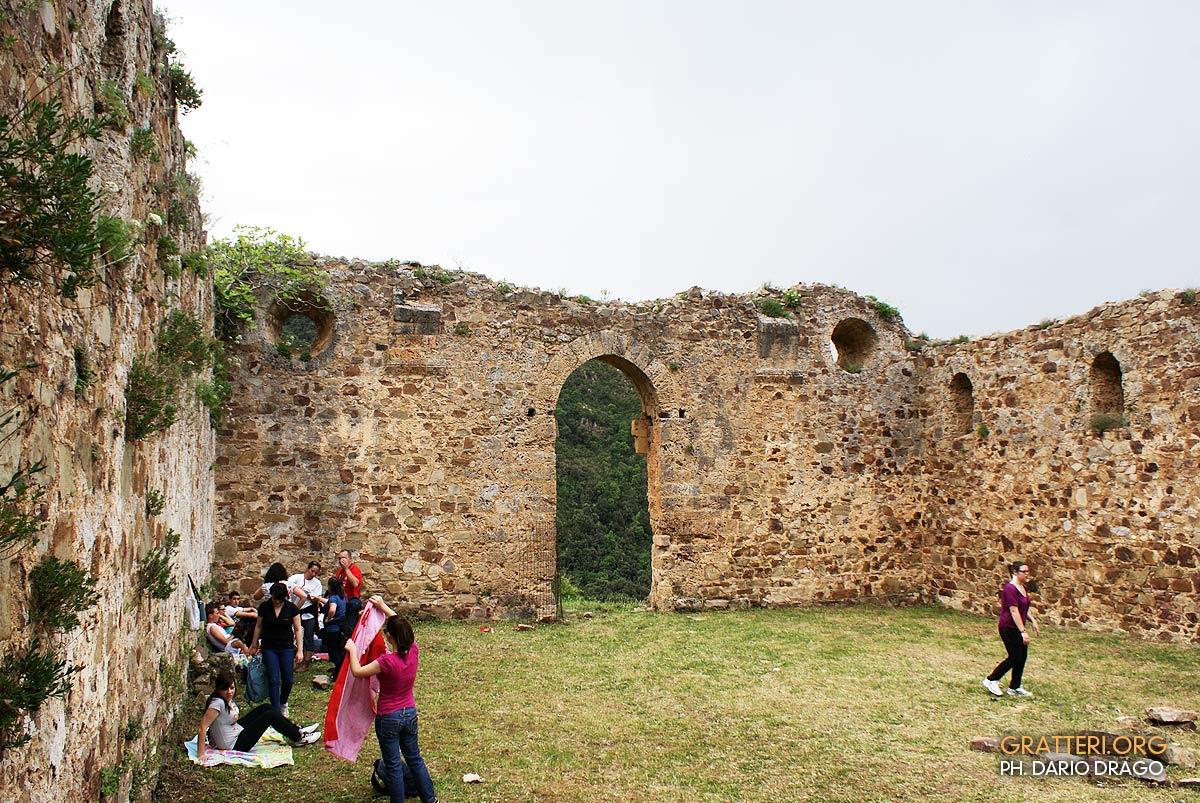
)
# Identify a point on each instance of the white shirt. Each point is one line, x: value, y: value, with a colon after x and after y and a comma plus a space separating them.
x: 311, y: 587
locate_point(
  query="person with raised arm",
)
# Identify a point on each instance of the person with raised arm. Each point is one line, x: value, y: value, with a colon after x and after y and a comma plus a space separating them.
x: 396, y: 709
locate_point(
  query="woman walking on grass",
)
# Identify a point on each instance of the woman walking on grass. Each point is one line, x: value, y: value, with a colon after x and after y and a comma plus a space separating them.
x: 396, y: 710
x: 1013, y: 623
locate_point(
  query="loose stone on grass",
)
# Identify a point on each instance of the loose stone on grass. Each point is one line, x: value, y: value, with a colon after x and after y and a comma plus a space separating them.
x: 1165, y: 715
x: 1180, y: 756
x: 985, y: 744
x: 322, y: 682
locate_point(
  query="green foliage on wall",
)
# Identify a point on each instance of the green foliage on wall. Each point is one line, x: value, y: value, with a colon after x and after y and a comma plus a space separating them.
x: 603, y: 521
x: 188, y: 95
x: 155, y: 574
x: 156, y: 380
x: 59, y: 591
x: 772, y: 308
x: 49, y: 231
x: 28, y: 678
x: 259, y: 260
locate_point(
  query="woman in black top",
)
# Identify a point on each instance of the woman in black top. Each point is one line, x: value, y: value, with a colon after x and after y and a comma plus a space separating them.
x: 282, y: 643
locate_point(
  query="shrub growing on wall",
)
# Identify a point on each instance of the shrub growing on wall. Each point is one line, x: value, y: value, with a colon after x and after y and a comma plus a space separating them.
x: 28, y: 678
x: 254, y: 261
x: 49, y: 230
x: 59, y: 591
x: 155, y: 575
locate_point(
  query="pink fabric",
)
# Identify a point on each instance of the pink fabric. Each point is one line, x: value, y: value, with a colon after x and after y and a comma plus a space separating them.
x: 352, y: 705
x: 396, y: 681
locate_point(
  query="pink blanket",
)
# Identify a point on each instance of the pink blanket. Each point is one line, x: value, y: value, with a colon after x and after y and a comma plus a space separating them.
x: 351, y: 709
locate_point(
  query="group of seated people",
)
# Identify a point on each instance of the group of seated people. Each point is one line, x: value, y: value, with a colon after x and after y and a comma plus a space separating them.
x: 325, y: 613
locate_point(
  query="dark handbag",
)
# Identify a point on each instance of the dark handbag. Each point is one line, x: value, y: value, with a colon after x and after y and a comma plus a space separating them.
x: 379, y: 783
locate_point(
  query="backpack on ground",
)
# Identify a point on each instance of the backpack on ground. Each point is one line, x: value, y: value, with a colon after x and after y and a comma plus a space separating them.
x: 379, y: 782
x: 256, y: 685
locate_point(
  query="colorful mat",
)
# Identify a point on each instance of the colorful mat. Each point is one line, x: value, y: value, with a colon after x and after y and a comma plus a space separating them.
x: 272, y: 750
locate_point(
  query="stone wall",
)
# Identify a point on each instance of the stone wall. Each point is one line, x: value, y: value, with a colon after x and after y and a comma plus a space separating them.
x: 423, y: 436
x: 1109, y: 523
x: 127, y: 647
x: 783, y: 468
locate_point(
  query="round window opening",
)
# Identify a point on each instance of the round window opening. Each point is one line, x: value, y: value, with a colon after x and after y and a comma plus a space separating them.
x: 853, y: 343
x: 302, y: 332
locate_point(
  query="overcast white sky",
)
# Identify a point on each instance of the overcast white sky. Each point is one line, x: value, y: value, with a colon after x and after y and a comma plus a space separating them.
x: 980, y: 165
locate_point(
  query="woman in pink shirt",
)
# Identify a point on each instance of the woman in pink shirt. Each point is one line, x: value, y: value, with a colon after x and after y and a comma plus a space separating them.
x: 396, y: 710
x: 1013, y: 624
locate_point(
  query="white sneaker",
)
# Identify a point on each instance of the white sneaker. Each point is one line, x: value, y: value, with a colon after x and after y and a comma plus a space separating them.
x: 285, y: 711
x: 1020, y: 691
x: 309, y: 738
x: 313, y: 728
x: 993, y: 686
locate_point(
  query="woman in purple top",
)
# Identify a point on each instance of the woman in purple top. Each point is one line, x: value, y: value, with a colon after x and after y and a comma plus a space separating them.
x: 396, y: 710
x: 1014, y: 616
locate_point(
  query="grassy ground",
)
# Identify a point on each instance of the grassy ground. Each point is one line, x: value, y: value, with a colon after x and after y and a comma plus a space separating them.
x: 832, y: 704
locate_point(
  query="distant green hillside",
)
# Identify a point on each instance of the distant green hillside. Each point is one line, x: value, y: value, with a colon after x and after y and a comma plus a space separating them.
x: 603, y: 524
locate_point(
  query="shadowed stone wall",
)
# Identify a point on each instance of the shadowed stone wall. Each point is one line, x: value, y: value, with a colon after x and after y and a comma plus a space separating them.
x: 127, y: 648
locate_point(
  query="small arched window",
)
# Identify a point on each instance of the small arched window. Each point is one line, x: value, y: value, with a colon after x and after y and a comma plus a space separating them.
x: 1107, y: 393
x: 962, y: 405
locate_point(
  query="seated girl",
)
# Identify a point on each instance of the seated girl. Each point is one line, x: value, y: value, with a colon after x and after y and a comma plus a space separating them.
x: 222, y: 729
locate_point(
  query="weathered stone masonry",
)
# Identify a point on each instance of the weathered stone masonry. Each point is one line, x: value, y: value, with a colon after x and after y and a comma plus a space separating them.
x: 94, y: 508
x: 1110, y: 523
x: 423, y: 437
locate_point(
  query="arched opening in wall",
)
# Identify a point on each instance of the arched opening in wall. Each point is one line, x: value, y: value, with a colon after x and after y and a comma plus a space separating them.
x: 1107, y: 393
x: 605, y: 424
x: 301, y: 329
x: 962, y: 405
x: 853, y: 341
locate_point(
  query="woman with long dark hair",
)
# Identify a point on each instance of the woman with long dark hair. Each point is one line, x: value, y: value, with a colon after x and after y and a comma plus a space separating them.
x: 282, y: 643
x: 1014, y: 624
x: 223, y: 729
x: 276, y: 573
x: 396, y: 709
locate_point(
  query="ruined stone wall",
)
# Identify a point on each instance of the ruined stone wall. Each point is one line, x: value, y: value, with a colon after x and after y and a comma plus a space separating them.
x: 422, y: 436
x: 782, y: 469
x: 127, y: 648
x: 1109, y: 523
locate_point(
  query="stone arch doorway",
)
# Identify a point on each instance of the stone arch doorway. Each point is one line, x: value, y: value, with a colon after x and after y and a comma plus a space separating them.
x: 644, y: 430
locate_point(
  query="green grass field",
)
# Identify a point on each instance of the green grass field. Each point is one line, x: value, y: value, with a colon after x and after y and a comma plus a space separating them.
x: 832, y: 704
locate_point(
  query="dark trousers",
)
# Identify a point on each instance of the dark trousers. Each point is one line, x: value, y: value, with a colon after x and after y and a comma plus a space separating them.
x: 1018, y: 651
x: 255, y: 724
x: 280, y: 666
x: 353, y: 609
x: 397, y: 734
x: 309, y: 627
x: 335, y: 643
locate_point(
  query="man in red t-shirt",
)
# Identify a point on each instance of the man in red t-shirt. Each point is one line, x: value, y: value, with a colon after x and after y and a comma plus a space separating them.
x: 352, y: 584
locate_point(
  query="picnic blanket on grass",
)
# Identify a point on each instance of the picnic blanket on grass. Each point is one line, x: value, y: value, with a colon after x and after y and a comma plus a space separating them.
x: 272, y: 750
x: 351, y: 709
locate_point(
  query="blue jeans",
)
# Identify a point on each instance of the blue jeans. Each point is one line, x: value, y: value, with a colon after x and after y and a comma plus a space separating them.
x: 279, y: 664
x: 397, y: 733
